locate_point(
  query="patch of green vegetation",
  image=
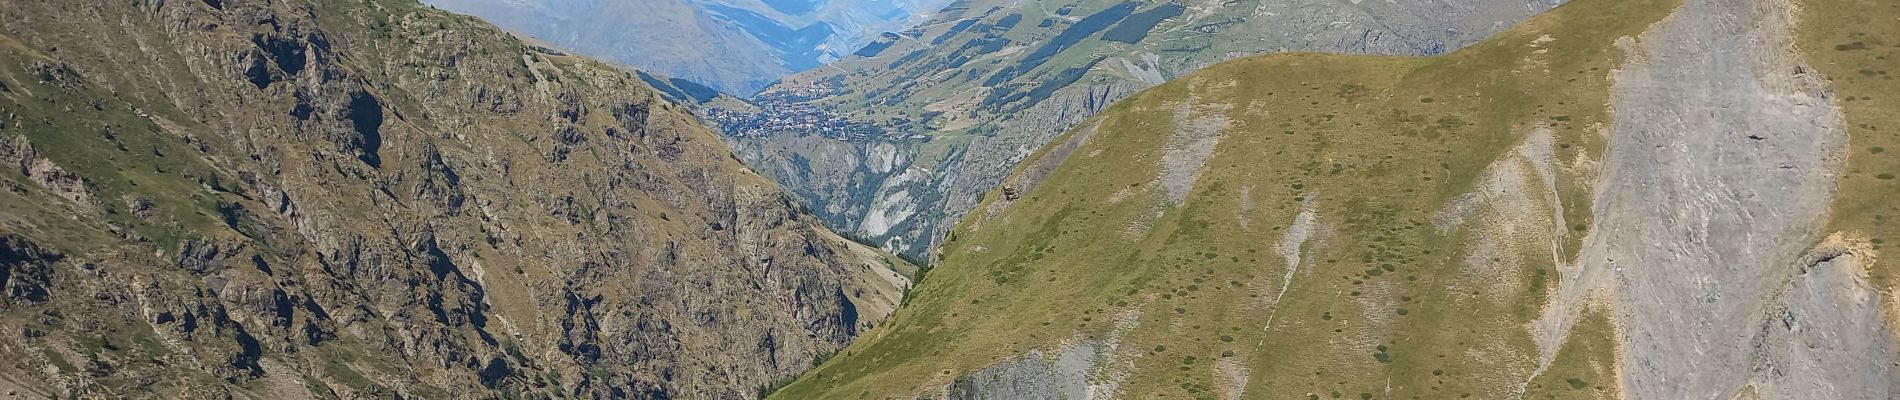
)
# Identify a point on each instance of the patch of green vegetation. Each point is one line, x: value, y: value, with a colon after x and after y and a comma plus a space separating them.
x: 316, y: 387
x: 346, y: 376
x: 58, y: 361
x: 121, y: 153
x: 1588, y: 355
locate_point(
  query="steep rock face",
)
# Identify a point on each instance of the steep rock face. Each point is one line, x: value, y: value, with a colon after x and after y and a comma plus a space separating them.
x: 964, y: 97
x: 292, y: 199
x: 1082, y: 369
x: 1722, y: 165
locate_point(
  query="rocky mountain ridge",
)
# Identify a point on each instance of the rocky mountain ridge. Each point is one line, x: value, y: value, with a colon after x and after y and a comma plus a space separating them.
x: 376, y: 199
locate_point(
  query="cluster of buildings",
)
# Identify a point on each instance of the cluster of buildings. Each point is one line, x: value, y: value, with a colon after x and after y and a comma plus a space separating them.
x: 790, y: 112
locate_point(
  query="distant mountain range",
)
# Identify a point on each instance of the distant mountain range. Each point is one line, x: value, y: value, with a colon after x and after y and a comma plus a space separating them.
x: 736, y: 46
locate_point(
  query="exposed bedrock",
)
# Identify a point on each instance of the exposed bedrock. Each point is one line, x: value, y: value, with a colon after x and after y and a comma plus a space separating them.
x: 1721, y: 166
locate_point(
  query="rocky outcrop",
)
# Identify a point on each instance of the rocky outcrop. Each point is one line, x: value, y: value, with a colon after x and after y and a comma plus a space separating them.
x: 25, y: 270
x: 19, y: 153
x: 1082, y: 369
x: 291, y: 199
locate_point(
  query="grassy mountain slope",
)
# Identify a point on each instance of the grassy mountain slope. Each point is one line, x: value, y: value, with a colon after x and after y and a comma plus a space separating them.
x: 1370, y: 148
x: 376, y: 199
x: 1583, y: 206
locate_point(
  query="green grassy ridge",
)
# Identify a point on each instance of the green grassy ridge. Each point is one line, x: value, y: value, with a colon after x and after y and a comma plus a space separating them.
x: 1381, y: 143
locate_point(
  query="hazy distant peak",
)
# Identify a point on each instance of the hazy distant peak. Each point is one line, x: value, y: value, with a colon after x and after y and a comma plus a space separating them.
x: 736, y: 46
